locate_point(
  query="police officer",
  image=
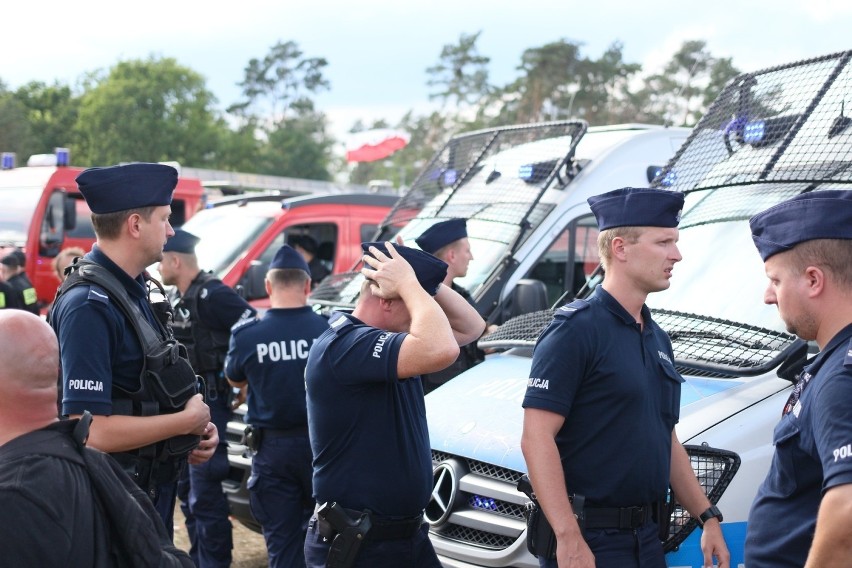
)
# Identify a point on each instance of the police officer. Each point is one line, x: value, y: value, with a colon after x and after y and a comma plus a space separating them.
x: 603, y: 399
x: 366, y: 411
x: 270, y: 356
x: 801, y: 515
x: 447, y: 240
x: 17, y: 279
x: 101, y: 353
x: 308, y: 247
x: 204, y: 314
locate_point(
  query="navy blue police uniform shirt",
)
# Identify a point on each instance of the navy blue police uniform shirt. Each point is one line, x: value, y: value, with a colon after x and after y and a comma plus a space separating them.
x: 219, y: 307
x: 616, y: 386
x: 367, y: 428
x: 271, y: 353
x: 813, y: 453
x: 98, y: 346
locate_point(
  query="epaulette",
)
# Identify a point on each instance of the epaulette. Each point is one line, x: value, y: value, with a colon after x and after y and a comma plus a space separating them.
x: 243, y: 323
x: 568, y: 310
x: 98, y: 294
x: 337, y: 321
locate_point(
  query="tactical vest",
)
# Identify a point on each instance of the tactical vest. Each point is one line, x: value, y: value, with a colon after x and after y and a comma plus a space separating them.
x: 206, y: 347
x: 167, y: 380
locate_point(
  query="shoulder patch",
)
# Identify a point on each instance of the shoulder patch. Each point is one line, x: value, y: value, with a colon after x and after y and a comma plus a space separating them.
x: 848, y: 361
x: 243, y: 323
x: 98, y: 294
x: 568, y: 310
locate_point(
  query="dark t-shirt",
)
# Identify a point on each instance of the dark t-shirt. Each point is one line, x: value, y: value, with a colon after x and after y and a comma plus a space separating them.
x: 271, y: 354
x: 812, y: 455
x: 619, y: 392
x: 367, y: 427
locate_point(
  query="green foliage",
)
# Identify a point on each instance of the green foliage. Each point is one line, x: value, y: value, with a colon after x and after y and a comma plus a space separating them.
x: 151, y: 110
x: 15, y: 130
x: 461, y: 73
x: 296, y: 149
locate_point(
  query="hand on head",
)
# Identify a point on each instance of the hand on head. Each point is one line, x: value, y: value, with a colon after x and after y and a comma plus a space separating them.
x: 387, y: 273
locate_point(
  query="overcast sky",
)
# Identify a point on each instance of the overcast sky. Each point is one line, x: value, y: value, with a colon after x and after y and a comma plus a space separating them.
x: 378, y: 50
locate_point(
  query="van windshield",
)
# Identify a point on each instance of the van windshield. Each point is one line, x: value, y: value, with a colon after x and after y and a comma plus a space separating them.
x: 19, y: 204
x: 224, y: 235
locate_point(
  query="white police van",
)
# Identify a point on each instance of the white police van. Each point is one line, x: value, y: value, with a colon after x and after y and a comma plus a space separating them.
x: 770, y: 135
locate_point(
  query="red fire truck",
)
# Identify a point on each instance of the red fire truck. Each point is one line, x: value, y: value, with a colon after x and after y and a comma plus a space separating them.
x: 43, y: 212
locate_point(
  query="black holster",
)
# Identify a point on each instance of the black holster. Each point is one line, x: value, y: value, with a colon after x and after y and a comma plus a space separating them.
x: 662, y: 515
x: 252, y: 437
x: 347, y: 534
x: 541, y: 540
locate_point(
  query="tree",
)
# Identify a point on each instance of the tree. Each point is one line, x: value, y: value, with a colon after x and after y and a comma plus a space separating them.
x: 51, y: 112
x: 682, y: 91
x: 297, y: 147
x: 461, y: 73
x: 151, y: 110
x: 281, y: 79
x: 15, y: 132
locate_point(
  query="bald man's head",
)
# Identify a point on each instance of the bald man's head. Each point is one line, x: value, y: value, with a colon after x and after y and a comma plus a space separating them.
x: 29, y: 352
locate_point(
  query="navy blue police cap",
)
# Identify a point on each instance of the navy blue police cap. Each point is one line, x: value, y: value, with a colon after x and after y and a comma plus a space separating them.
x: 637, y: 207
x: 182, y: 241
x: 288, y: 257
x: 430, y: 271
x: 808, y: 216
x: 441, y: 234
x: 127, y: 186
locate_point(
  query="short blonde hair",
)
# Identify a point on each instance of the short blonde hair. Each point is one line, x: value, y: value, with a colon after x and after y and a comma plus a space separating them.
x: 832, y: 255
x: 605, y: 238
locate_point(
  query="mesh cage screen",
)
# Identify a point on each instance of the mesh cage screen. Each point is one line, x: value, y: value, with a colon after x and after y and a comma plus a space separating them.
x: 721, y: 348
x: 715, y: 469
x: 504, y: 172
x: 783, y: 124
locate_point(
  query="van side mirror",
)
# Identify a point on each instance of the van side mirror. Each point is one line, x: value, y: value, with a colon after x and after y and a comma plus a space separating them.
x: 252, y: 285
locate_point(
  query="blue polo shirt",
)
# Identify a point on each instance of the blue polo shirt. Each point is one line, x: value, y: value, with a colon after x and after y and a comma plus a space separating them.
x: 271, y: 354
x: 367, y: 427
x: 616, y: 386
x: 219, y: 307
x: 97, y: 344
x: 813, y: 453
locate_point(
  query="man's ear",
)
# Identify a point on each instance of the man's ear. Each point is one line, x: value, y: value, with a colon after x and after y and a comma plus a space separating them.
x: 133, y: 222
x: 617, y: 248
x: 815, y: 278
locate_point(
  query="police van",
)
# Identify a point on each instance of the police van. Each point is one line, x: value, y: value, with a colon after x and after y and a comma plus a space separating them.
x: 770, y: 135
x: 520, y: 189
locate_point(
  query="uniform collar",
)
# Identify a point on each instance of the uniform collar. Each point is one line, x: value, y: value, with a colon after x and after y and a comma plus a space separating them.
x: 617, y: 309
x: 843, y: 338
x: 134, y: 286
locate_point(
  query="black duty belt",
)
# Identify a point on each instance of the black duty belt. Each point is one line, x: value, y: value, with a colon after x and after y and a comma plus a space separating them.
x: 382, y: 528
x: 617, y: 517
x: 269, y: 433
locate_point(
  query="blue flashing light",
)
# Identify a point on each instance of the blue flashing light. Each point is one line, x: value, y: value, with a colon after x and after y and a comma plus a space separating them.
x: 669, y: 179
x: 449, y: 177
x: 754, y: 131
x: 479, y: 502
x: 8, y: 161
x: 63, y: 156
x: 526, y: 171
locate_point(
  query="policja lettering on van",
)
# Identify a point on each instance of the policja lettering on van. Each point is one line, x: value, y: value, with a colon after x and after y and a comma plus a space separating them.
x: 278, y: 350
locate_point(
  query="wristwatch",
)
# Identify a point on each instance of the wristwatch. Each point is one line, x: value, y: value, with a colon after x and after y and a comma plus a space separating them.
x: 711, y: 512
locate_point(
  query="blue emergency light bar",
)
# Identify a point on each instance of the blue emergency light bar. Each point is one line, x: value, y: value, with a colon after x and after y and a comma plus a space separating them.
x: 8, y: 161
x: 63, y: 156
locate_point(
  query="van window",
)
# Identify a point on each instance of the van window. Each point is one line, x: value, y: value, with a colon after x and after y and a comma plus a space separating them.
x: 569, y: 260
x: 53, y: 225
x: 83, y: 229
x: 325, y: 235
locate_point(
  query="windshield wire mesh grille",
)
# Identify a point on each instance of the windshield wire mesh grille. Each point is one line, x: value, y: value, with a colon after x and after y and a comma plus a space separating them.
x: 504, y: 172
x: 715, y: 469
x: 713, y: 346
x: 783, y: 124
